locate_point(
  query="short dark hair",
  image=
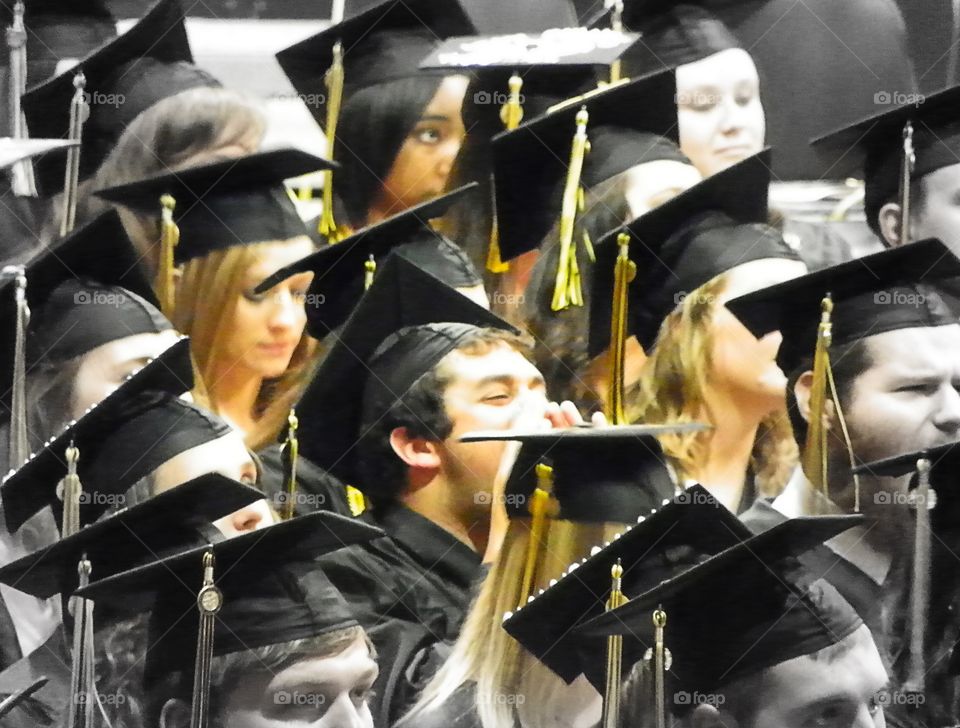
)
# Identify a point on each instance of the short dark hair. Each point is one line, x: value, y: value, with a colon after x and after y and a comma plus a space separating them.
x: 848, y: 362
x: 374, y: 122
x: 421, y: 410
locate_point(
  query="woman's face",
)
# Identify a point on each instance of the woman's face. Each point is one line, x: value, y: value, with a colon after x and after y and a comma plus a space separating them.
x: 719, y: 111
x: 744, y: 366
x: 651, y: 184
x: 421, y: 167
x: 268, y: 326
x: 103, y: 369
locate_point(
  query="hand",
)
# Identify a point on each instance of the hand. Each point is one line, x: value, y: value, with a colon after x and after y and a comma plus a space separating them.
x: 566, y: 414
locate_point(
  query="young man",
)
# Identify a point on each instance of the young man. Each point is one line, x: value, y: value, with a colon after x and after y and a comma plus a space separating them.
x: 895, y: 356
x: 874, y: 149
x: 384, y: 413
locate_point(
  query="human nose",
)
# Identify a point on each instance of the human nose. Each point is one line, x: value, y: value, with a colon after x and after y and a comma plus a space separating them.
x: 947, y: 416
x: 248, y: 518
x: 287, y: 312
x: 344, y: 713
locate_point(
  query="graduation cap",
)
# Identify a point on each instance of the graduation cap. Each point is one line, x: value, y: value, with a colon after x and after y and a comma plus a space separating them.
x: 691, y: 520
x: 763, y: 608
x: 679, y: 246
x: 625, y: 125
x: 383, y: 43
x: 233, y: 202
x: 339, y: 270
x: 403, y: 326
x: 900, y: 288
x: 873, y: 148
x: 599, y: 474
x: 180, y: 517
x: 128, y: 75
x: 527, y: 17
x: 16, y: 150
x: 120, y: 440
x: 270, y: 587
x: 24, y: 700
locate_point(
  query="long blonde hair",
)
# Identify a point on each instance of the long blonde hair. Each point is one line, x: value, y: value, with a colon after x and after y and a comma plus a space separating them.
x: 207, y: 295
x: 485, y: 654
x: 672, y: 389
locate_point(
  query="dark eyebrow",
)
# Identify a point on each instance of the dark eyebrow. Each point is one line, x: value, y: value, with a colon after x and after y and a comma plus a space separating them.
x: 506, y: 379
x: 435, y: 117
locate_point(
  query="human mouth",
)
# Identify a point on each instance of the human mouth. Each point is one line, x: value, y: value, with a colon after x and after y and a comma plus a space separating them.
x: 276, y: 349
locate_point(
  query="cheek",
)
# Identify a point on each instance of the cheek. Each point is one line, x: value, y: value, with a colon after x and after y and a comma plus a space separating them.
x: 696, y: 128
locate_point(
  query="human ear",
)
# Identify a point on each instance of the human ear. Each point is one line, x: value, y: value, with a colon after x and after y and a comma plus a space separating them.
x: 889, y: 219
x: 175, y: 714
x: 707, y: 716
x: 417, y: 452
x: 802, y: 391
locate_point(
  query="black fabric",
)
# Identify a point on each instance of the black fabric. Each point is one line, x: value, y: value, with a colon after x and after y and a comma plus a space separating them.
x: 317, y: 490
x: 410, y: 591
x: 50, y: 660
x: 9, y: 643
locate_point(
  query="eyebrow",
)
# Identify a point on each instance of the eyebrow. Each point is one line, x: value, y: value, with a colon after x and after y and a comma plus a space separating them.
x: 507, y: 379
x: 434, y: 117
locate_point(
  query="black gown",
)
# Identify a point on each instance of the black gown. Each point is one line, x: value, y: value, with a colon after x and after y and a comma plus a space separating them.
x: 411, y: 592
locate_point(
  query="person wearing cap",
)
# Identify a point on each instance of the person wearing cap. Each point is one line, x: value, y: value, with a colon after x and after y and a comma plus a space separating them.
x: 283, y: 649
x: 236, y: 227
x: 601, y: 479
x: 416, y: 365
x: 753, y: 640
x: 399, y: 128
x: 873, y: 148
x: 719, y: 109
x: 693, y: 252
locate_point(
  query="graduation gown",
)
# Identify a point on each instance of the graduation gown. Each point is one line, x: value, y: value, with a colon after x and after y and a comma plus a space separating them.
x: 320, y: 490
x: 410, y: 591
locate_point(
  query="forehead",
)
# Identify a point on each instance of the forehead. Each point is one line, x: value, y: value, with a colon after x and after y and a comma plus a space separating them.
x: 725, y: 67
x: 756, y: 274
x: 945, y: 179
x: 271, y: 258
x: 497, y: 359
x: 353, y: 661
x: 916, y: 348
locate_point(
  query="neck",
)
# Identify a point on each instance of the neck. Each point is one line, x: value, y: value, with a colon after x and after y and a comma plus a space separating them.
x: 434, y: 502
x: 723, y: 467
x: 234, y: 394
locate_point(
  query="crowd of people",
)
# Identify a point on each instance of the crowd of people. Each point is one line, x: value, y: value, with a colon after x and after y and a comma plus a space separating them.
x: 561, y: 414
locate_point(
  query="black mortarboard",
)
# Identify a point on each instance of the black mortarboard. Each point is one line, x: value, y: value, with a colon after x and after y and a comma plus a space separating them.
x: 124, y: 438
x: 603, y: 474
x: 233, y: 202
x: 692, y: 521
x: 704, y: 231
x: 23, y: 699
x: 149, y: 62
x: 403, y: 326
x: 181, y: 517
x: 900, y: 288
x: 273, y: 592
x: 531, y: 16
x: 14, y: 150
x: 872, y: 148
x: 763, y: 609
x: 625, y: 126
x: 339, y: 269
x: 381, y: 44
x: 673, y: 35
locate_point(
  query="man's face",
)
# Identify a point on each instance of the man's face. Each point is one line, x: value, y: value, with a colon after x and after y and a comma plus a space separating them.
x: 322, y: 692
x: 498, y: 390
x: 845, y: 692
x: 938, y: 215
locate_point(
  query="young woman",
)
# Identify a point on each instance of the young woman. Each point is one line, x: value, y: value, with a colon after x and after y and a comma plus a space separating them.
x: 237, y: 226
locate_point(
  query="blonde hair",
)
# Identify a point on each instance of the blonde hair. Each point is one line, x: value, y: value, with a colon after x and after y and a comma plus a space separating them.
x: 206, y: 299
x: 672, y: 389
x: 485, y: 654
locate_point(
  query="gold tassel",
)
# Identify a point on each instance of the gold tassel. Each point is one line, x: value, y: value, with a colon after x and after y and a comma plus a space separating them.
x: 169, y: 239
x: 355, y: 500
x: 79, y: 111
x: 908, y: 161
x: 370, y: 269
x: 289, y: 454
x: 611, y: 698
x: 71, y: 491
x: 334, y: 82
x: 616, y: 23
x: 82, y: 679
x: 539, y: 512
x: 624, y: 272
x: 18, y: 445
x: 815, y: 447
x: 567, y: 291
x: 661, y: 665
x: 511, y: 114
x: 924, y: 499
x: 209, y: 602
x: 23, y: 182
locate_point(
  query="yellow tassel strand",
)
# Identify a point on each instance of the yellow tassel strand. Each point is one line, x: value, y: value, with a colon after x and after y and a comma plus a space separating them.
x: 289, y: 455
x: 611, y: 699
x: 539, y: 509
x: 815, y: 447
x: 169, y: 239
x: 511, y: 115
x: 624, y: 272
x: 369, y: 270
x: 567, y: 291
x: 334, y: 82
